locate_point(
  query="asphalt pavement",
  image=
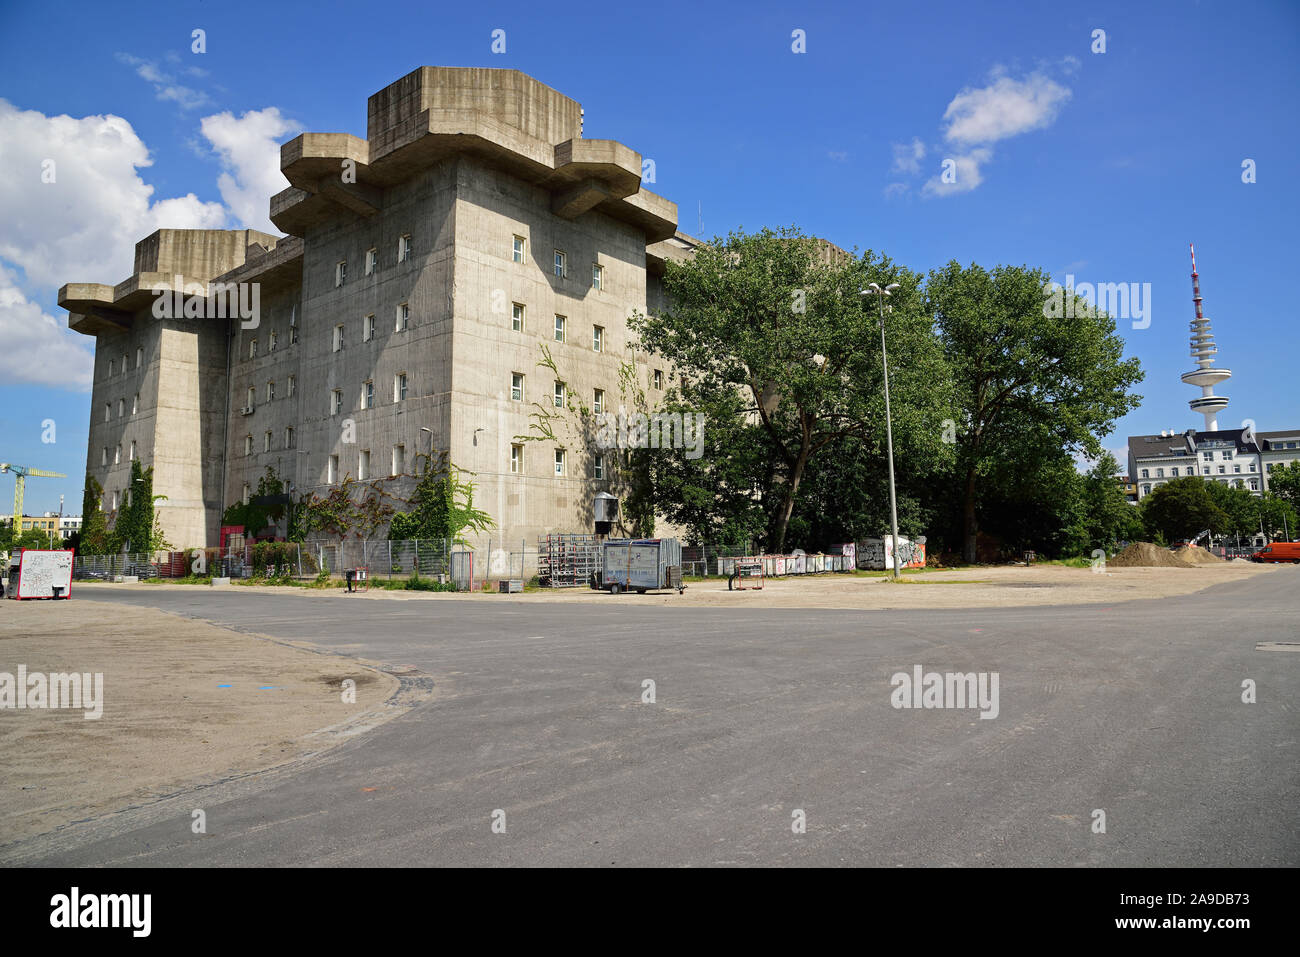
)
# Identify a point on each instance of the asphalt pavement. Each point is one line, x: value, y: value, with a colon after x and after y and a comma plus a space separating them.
x: 541, y: 724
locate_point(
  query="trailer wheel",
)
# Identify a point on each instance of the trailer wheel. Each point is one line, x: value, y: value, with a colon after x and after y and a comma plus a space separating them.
x: 615, y: 588
x: 640, y: 591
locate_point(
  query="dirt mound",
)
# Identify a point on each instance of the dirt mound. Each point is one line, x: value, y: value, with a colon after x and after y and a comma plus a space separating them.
x: 1195, y: 555
x: 1146, y: 555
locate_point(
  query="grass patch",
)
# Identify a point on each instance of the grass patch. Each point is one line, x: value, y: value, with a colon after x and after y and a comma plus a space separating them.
x: 316, y: 583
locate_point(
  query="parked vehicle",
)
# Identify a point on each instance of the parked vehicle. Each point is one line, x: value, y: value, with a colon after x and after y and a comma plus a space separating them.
x: 1278, y: 552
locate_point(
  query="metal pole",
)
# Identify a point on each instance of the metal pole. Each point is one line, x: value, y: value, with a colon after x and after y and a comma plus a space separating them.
x: 889, y: 435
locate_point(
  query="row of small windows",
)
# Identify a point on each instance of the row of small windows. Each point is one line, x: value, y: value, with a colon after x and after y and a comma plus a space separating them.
x: 1231, y: 483
x: 518, y: 253
x: 1191, y: 470
x: 291, y: 386
x: 561, y: 391
x: 518, y: 311
x: 139, y: 361
x: 401, y: 322
x: 266, y: 441
x: 121, y: 407
x: 126, y: 500
x: 560, y: 462
x: 401, y: 388
x: 117, y: 454
x: 273, y: 339
x: 372, y: 260
x: 397, y: 463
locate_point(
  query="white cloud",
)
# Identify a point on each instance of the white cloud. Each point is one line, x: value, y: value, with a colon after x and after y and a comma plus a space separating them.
x: 968, y: 175
x: 896, y: 189
x: 977, y: 118
x: 839, y: 156
x: 83, y: 226
x: 249, y: 148
x: 908, y: 156
x: 164, y: 84
x: 1004, y: 108
x: 38, y: 348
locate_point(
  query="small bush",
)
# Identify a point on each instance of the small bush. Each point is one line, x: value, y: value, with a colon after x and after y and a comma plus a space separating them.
x: 416, y: 583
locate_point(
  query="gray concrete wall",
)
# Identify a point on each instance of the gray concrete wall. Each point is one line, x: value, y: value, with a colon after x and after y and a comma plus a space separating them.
x: 492, y: 208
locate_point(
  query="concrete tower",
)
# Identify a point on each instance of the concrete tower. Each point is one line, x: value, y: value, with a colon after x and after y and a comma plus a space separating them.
x: 1203, y: 349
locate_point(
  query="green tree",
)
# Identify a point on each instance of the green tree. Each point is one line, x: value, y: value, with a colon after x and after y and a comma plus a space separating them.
x: 1284, y: 482
x: 778, y: 317
x: 1240, y: 507
x: 95, y: 538
x: 1277, y: 517
x: 1108, y: 517
x: 1023, y: 376
x: 712, y: 496
x: 1181, y: 509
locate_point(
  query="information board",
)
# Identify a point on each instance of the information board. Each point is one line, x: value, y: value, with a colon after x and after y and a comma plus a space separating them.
x: 40, y: 572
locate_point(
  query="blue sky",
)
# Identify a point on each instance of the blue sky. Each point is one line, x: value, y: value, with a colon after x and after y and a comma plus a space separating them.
x: 1101, y: 165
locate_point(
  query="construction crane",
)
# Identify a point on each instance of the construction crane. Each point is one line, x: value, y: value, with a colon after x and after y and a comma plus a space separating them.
x: 20, y: 483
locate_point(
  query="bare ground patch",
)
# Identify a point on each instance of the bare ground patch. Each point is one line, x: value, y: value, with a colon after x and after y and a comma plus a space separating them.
x: 184, y: 703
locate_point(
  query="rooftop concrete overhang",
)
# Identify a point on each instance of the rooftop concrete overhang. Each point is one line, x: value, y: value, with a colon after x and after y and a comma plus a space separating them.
x: 335, y: 166
x: 276, y: 270
x: 95, y: 308
x: 90, y: 308
x: 581, y: 174
x: 679, y: 247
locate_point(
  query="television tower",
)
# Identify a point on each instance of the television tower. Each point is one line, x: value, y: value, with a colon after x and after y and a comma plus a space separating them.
x: 1203, y: 350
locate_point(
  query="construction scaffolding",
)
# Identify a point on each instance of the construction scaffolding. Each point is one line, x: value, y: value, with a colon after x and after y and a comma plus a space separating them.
x: 567, y: 561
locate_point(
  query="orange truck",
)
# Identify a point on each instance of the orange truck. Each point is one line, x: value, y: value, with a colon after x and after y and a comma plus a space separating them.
x: 1279, y: 552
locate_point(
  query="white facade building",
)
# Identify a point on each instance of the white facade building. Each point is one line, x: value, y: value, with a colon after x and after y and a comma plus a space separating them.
x: 1238, y: 457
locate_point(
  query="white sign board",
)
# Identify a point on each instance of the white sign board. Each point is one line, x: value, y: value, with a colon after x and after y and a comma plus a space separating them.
x: 40, y: 572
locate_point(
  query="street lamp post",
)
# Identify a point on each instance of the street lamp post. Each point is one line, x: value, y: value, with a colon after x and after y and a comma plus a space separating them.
x: 880, y: 294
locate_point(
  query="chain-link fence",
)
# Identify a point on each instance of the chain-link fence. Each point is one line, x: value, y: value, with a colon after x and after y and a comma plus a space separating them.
x: 431, y: 559
x: 479, y: 564
x: 108, y: 567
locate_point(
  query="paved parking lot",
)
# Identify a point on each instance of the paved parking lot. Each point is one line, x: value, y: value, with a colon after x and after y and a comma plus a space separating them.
x: 1133, y: 709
